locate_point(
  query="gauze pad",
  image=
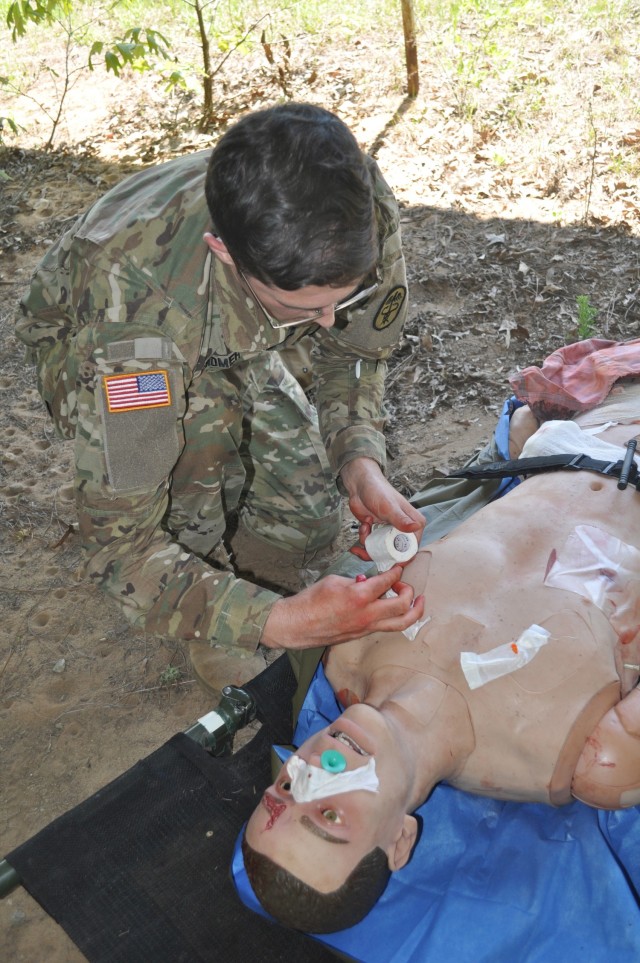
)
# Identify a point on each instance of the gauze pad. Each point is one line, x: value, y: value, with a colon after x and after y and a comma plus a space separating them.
x: 567, y: 438
x: 309, y: 783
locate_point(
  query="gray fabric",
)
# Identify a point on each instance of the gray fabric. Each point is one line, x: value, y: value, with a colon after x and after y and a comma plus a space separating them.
x: 445, y: 502
x: 148, y: 348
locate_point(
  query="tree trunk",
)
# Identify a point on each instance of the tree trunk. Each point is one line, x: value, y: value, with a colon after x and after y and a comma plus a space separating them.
x: 410, y: 47
x: 207, y: 78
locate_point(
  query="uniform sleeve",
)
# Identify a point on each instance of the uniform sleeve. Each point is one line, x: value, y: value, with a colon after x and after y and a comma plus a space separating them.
x: 162, y: 587
x: 48, y: 315
x: 79, y: 335
x: 46, y: 324
x: 350, y: 359
x: 350, y: 392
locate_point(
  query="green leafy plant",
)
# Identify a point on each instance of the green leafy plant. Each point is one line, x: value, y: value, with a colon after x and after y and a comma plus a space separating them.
x: 586, y: 317
x: 170, y: 676
x: 132, y: 50
x: 6, y: 122
x: 136, y: 48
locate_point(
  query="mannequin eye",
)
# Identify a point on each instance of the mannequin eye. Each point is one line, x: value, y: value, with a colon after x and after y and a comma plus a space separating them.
x: 331, y: 816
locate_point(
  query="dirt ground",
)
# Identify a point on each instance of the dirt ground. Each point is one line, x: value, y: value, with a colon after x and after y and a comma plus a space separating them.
x: 505, y: 225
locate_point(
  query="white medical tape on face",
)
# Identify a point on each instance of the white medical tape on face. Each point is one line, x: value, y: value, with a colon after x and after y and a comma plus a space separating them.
x: 309, y: 783
x: 482, y: 667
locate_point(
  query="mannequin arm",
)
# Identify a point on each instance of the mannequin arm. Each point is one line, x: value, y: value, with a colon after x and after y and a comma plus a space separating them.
x: 608, y: 772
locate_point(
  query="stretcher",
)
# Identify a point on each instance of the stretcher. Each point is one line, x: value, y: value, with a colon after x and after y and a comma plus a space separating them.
x: 140, y: 871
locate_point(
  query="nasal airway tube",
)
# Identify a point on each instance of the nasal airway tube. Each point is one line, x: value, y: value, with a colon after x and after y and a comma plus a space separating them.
x: 387, y: 545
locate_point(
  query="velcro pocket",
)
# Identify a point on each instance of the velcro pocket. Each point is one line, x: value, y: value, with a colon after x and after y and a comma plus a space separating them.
x: 139, y: 404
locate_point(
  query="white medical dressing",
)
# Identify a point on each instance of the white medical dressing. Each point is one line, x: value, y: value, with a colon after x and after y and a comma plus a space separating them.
x: 309, y: 783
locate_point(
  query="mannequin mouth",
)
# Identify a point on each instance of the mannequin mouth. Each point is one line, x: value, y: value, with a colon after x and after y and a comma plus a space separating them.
x: 346, y: 740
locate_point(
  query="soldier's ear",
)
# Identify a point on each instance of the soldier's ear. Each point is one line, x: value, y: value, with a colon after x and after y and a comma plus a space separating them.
x: 219, y: 248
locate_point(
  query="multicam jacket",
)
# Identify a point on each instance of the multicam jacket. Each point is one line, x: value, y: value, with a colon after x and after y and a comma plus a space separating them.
x: 133, y: 287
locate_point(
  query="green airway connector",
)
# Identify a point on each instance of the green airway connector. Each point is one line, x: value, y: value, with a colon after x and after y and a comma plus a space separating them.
x: 333, y: 761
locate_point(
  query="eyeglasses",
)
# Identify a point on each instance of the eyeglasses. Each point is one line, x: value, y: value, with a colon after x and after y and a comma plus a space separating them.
x: 317, y: 312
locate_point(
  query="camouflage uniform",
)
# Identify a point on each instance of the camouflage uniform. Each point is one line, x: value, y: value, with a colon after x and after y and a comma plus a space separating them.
x: 152, y: 356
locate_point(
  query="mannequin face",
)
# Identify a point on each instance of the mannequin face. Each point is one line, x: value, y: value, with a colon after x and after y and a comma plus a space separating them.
x: 322, y: 841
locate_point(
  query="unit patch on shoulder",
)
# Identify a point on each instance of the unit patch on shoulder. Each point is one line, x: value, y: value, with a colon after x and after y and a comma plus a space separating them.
x: 390, y: 308
x: 129, y: 392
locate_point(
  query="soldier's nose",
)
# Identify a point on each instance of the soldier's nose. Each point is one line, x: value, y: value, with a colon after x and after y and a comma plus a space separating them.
x: 327, y: 319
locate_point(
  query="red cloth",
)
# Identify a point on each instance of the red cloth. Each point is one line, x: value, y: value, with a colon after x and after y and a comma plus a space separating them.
x: 576, y: 377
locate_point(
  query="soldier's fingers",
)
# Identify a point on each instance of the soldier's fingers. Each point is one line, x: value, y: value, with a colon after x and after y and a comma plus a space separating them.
x: 398, y: 623
x: 377, y: 585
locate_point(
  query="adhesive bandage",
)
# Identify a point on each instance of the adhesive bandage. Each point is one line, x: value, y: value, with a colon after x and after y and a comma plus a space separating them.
x: 309, y: 783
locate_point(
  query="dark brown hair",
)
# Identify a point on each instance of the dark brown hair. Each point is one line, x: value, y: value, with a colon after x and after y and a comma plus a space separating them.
x: 291, y: 195
x: 301, y: 907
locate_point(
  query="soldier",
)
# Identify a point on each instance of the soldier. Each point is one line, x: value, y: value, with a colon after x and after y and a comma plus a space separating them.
x: 156, y: 324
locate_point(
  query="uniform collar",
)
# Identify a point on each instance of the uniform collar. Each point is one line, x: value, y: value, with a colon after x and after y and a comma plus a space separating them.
x: 243, y: 325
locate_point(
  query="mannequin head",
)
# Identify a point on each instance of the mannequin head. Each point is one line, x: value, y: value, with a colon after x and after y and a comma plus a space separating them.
x: 320, y: 865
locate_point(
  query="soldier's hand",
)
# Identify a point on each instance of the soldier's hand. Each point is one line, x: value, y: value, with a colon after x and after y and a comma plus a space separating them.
x: 373, y: 500
x: 338, y: 609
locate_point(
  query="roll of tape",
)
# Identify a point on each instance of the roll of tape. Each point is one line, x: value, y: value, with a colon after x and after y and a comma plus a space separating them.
x: 387, y: 545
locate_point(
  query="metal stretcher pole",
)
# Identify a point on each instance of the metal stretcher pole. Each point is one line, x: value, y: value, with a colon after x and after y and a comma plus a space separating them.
x: 215, y: 731
x: 9, y: 879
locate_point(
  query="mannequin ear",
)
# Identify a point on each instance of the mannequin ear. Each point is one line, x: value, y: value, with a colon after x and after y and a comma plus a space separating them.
x: 219, y: 248
x: 400, y: 850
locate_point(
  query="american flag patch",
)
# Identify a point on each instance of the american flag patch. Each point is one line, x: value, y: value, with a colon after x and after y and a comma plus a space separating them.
x: 130, y: 392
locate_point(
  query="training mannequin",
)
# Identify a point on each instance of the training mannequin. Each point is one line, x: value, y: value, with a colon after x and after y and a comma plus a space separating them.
x: 565, y: 725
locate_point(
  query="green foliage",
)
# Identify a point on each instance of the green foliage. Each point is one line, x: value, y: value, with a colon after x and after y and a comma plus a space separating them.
x: 6, y: 122
x: 170, y: 676
x: 23, y: 12
x: 586, y: 317
x: 131, y: 51
x: 479, y: 46
x: 83, y: 25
